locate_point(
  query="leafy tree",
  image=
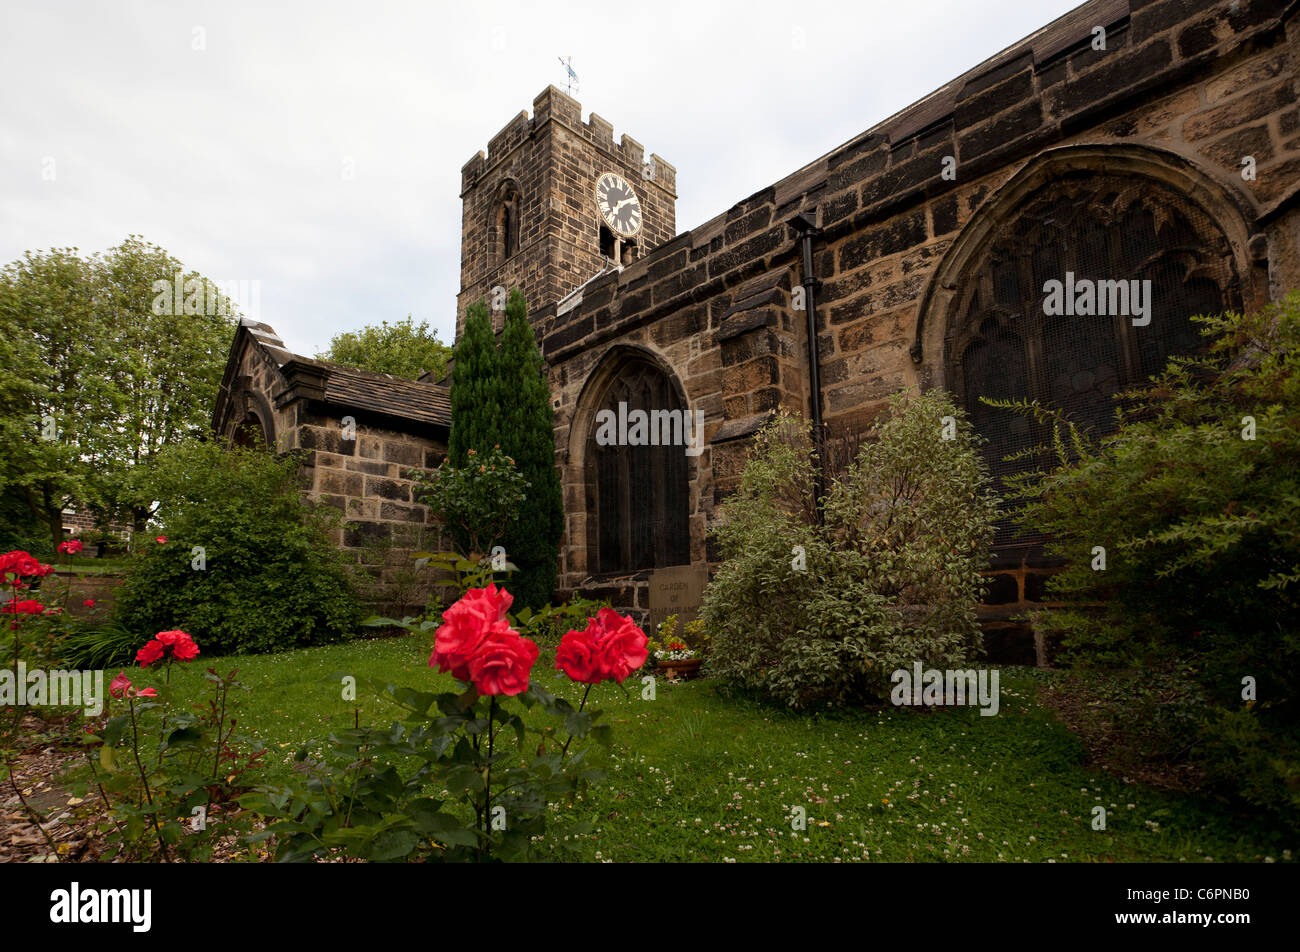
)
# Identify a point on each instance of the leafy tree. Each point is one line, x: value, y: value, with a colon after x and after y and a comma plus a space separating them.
x: 57, y: 398
x: 528, y: 435
x: 500, y: 400
x: 476, y: 398
x: 403, y: 349
x: 96, y: 377
x: 169, y: 357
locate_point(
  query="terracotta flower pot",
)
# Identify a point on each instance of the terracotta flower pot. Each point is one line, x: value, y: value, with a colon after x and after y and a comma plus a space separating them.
x: 687, y: 668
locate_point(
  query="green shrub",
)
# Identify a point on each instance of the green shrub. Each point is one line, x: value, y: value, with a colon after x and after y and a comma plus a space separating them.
x: 100, y: 645
x: 1195, y: 501
x: 20, y: 529
x: 889, y: 577
x: 477, y: 501
x: 272, y: 579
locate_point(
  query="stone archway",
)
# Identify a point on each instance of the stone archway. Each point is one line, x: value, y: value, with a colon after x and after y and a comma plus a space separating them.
x: 250, y: 432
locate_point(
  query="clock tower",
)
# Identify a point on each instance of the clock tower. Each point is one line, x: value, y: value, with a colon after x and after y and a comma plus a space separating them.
x: 554, y: 201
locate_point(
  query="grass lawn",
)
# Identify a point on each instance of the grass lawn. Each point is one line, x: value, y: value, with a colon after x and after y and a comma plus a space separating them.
x: 85, y: 566
x: 694, y: 775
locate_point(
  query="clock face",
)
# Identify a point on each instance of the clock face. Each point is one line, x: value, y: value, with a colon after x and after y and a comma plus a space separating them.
x: 618, y: 204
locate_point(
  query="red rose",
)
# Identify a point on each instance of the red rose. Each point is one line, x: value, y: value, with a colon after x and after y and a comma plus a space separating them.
x: 622, y: 644
x: 161, y: 540
x: 151, y: 652
x: 493, y: 602
x: 70, y: 547
x: 502, y: 663
x: 121, y: 686
x: 14, y: 607
x: 465, y: 625
x: 611, y: 646
x: 19, y: 564
x: 579, y: 657
x: 89, y: 603
x: 177, y: 644
x: 180, y: 643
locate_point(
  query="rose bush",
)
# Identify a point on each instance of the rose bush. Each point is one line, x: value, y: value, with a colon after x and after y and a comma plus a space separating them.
x: 484, y: 775
x: 161, y: 791
x: 17, y: 566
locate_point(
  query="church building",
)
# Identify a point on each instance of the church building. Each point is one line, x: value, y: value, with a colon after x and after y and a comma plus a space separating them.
x: 1043, y: 226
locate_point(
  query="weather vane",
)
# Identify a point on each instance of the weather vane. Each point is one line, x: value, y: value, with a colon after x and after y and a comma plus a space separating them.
x: 567, y: 63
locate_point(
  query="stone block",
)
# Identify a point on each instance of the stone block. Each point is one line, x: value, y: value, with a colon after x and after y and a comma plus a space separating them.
x: 405, y: 454
x: 340, y: 482
x: 388, y: 488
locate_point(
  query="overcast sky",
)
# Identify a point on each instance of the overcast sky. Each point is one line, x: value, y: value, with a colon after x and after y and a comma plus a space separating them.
x: 225, y: 131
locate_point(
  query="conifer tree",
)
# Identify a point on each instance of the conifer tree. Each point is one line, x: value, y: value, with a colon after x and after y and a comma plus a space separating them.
x: 527, y: 434
x: 475, y: 389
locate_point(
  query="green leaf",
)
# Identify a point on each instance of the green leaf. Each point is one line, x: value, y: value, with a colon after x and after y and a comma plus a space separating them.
x: 393, y: 845
x: 183, y: 736
x: 463, y: 778
x: 578, y: 724
x: 113, y: 732
x: 451, y: 831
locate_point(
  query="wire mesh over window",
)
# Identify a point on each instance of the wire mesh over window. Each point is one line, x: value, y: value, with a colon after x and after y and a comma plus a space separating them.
x: 505, y: 223
x: 1080, y: 230
x: 641, y: 492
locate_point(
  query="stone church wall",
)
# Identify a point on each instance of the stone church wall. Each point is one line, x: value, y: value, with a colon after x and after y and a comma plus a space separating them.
x: 1182, y: 93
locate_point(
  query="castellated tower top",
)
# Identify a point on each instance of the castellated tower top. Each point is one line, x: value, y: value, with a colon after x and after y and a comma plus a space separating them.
x: 529, y: 213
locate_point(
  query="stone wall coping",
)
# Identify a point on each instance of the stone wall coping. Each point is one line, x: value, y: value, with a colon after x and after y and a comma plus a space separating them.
x: 741, y: 428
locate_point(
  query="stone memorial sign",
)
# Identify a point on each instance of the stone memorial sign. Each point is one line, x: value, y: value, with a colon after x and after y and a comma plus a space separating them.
x: 676, y: 590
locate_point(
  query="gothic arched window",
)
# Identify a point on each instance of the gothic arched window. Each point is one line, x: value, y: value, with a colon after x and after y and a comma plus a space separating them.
x: 1100, y: 236
x: 638, y: 494
x: 505, y: 222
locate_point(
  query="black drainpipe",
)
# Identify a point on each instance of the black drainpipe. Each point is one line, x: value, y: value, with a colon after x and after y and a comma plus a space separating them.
x: 806, y: 229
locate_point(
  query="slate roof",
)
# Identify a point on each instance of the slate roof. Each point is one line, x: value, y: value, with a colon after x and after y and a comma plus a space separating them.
x: 419, y: 402
x: 384, y: 393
